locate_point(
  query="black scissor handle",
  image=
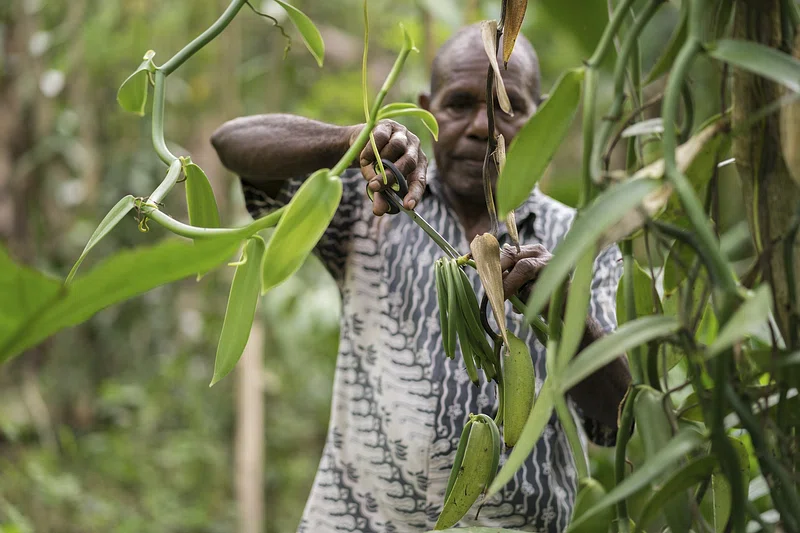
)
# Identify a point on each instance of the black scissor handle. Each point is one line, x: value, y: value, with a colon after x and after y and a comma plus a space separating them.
x: 394, y: 198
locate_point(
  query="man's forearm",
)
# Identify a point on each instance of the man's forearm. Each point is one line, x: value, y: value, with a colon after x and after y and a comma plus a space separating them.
x: 600, y: 394
x: 271, y: 147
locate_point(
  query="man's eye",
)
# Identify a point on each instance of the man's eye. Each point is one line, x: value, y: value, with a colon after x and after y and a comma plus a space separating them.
x: 459, y: 104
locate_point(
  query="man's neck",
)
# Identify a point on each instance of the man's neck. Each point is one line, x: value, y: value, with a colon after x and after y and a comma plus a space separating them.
x: 471, y: 213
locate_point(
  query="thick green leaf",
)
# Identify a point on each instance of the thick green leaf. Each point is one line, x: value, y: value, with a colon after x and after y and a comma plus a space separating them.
x: 396, y: 106
x: 751, y: 315
x: 683, y: 479
x: 119, y: 278
x: 534, y: 426
x: 643, y: 292
x: 677, y: 266
x: 684, y: 442
x: 200, y: 199
x: 667, y: 58
x: 605, y: 211
x: 716, y: 504
x: 580, y: 292
x: 117, y: 213
x: 308, y: 31
x: 534, y: 146
x: 603, y: 351
x: 426, y: 117
x: 301, y: 227
x: 132, y: 94
x: 758, y: 59
x: 26, y: 294
x: 241, y: 309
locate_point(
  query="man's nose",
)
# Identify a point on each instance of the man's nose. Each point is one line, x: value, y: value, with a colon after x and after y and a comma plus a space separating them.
x: 479, y: 125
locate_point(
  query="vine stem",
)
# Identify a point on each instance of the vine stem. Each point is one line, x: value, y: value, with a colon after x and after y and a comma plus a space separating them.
x: 152, y: 211
x: 204, y: 38
x: 159, y: 97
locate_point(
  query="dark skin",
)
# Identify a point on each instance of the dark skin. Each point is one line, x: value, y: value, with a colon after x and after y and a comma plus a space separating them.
x: 267, y: 149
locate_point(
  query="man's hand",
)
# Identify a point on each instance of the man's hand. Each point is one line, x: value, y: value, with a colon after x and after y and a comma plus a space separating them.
x: 523, y: 269
x: 401, y: 147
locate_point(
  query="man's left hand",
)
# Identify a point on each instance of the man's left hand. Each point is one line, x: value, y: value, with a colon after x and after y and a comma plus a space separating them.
x: 523, y: 269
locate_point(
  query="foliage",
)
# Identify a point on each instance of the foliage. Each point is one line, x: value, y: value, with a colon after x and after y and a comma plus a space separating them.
x: 723, y: 367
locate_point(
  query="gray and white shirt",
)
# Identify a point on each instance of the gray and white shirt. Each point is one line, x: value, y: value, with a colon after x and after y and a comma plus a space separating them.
x: 399, y: 404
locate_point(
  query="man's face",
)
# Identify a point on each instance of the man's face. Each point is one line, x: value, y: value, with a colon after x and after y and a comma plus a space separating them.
x: 459, y: 106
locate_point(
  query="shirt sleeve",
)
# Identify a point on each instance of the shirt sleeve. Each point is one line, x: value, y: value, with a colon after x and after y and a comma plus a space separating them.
x: 603, y: 308
x: 336, y: 242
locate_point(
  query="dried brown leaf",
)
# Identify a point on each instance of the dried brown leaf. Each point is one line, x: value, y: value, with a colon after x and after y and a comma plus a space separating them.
x: 486, y: 253
x: 500, y: 161
x: 515, y: 13
x: 489, y: 37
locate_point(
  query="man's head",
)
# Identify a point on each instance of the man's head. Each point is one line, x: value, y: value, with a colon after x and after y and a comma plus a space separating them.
x: 458, y: 101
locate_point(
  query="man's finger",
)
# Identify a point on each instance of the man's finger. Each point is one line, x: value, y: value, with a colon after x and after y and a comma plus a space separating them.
x: 395, y: 147
x: 379, y: 206
x: 382, y: 133
x: 416, y: 186
x: 408, y: 162
x: 509, y: 255
x: 524, y: 271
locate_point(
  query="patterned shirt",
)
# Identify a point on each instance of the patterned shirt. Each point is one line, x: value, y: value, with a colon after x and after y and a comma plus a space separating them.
x: 399, y: 404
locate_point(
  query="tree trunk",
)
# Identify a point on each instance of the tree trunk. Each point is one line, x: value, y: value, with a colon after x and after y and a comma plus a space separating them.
x: 771, y: 197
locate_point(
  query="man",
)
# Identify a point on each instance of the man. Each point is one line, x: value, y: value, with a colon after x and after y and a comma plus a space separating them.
x: 399, y: 404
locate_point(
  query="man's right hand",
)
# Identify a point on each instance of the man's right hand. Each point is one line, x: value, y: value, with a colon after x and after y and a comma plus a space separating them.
x: 400, y: 146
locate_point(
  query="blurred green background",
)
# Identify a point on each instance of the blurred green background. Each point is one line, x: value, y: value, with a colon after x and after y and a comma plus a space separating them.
x: 111, y: 426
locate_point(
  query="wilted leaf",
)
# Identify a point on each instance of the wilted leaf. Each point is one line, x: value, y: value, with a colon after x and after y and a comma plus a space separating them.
x: 533, y: 147
x: 489, y: 36
x: 309, y: 32
x: 511, y: 219
x: 751, y: 315
x: 759, y: 59
x: 200, y: 199
x: 117, y: 213
x: 241, y: 310
x: 486, y: 253
x: 132, y: 94
x: 790, y: 128
x: 695, y: 157
x: 515, y: 13
x: 307, y: 216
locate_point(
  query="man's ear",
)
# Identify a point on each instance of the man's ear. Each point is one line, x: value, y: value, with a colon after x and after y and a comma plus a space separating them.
x: 424, y: 101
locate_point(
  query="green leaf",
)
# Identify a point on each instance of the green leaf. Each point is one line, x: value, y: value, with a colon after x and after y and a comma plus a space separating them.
x: 676, y: 40
x: 117, y: 213
x: 474, y: 529
x: 749, y: 317
x: 241, y: 308
x: 643, y: 290
x: 603, y: 351
x: 580, y: 292
x: 119, y: 278
x: 301, y: 227
x: 684, y: 442
x: 606, y: 210
x: 396, y: 106
x: 758, y: 59
x: 645, y: 127
x: 534, y: 426
x: 132, y: 94
x: 679, y: 262
x: 716, y: 504
x: 534, y: 146
x: 427, y: 118
x: 408, y: 42
x: 200, y: 199
x: 26, y: 294
x: 308, y: 31
x: 683, y: 479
